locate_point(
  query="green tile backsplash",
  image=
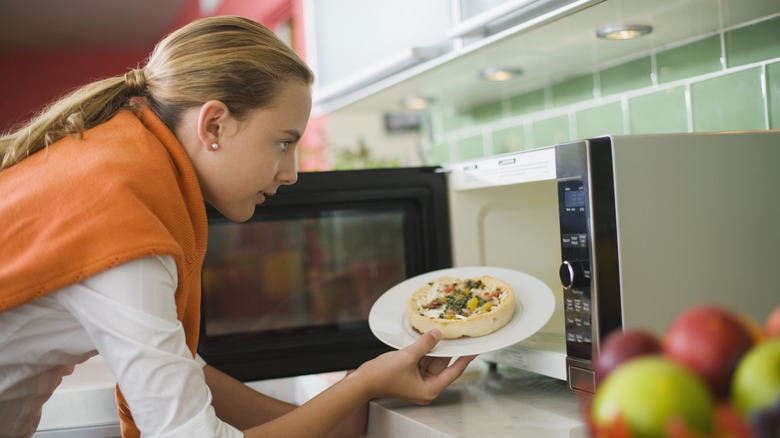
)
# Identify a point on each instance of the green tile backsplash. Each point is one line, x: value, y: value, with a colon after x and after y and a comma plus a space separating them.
x: 725, y: 80
x: 773, y: 79
x: 689, y: 60
x: 600, y: 120
x: 663, y: 111
x: 439, y: 154
x: 470, y: 147
x: 528, y: 102
x: 626, y: 77
x: 510, y: 139
x: 753, y: 43
x: 728, y: 103
x: 551, y: 131
x: 454, y: 120
x: 487, y: 113
x: 573, y: 90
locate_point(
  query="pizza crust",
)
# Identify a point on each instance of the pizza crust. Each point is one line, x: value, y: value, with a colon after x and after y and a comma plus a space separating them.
x: 424, y: 319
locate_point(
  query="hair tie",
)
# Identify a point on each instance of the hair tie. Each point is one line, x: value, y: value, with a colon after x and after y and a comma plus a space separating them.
x: 136, y: 80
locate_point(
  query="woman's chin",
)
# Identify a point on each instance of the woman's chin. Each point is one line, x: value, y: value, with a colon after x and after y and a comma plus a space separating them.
x: 238, y: 213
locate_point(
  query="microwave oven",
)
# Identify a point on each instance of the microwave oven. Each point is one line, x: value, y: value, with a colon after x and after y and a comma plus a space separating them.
x: 625, y: 230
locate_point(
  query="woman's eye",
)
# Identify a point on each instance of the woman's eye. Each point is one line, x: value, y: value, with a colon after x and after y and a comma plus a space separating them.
x: 284, y: 144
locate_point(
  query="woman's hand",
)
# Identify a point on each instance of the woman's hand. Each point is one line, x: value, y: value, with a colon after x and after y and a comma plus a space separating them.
x: 405, y: 374
x: 408, y: 374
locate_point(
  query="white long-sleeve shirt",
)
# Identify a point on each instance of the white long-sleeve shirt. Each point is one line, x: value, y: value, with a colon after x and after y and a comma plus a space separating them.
x: 128, y: 315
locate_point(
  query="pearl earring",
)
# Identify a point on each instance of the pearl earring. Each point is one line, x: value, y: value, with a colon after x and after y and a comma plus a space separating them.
x: 214, y: 146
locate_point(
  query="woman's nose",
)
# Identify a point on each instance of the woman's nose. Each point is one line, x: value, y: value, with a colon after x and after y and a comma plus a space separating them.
x: 288, y: 173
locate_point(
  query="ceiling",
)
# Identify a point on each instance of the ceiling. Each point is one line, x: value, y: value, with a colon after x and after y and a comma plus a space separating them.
x: 27, y: 25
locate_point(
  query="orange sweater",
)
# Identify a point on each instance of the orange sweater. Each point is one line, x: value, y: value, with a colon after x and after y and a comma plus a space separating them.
x: 125, y: 190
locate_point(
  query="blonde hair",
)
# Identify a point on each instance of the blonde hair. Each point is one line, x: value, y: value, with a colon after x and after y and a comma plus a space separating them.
x: 230, y: 59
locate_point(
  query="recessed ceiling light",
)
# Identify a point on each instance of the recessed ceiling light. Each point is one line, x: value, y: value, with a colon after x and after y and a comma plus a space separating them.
x: 499, y: 74
x: 415, y: 102
x: 623, y: 32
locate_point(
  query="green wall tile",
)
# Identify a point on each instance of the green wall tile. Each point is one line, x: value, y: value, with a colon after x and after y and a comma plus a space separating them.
x: 733, y: 100
x: 690, y: 60
x: 573, y: 90
x: 509, y: 140
x: 660, y: 112
x: 426, y: 125
x: 470, y: 147
x: 625, y: 77
x: 452, y: 119
x: 758, y: 42
x: 439, y: 154
x: 487, y: 113
x: 527, y: 103
x: 600, y: 120
x: 729, y: 102
x: 773, y: 88
x: 551, y: 131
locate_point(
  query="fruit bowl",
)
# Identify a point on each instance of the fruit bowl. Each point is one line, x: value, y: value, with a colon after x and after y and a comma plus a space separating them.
x: 713, y: 374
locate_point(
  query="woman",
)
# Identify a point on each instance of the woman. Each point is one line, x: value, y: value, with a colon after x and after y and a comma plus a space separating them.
x: 104, y: 233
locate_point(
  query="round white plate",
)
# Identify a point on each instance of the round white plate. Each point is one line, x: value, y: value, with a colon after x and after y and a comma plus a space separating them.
x: 534, y: 303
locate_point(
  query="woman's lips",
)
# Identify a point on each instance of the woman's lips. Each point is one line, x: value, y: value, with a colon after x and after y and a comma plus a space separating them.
x: 261, y: 196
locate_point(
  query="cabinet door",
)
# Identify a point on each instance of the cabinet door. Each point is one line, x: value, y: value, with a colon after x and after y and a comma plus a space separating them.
x: 360, y: 40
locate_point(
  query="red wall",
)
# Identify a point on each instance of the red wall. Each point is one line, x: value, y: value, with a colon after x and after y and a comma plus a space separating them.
x: 31, y: 80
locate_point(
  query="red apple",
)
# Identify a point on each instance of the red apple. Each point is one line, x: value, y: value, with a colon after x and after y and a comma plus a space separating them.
x: 650, y: 394
x: 710, y: 341
x: 730, y: 423
x: 621, y: 346
x: 772, y: 325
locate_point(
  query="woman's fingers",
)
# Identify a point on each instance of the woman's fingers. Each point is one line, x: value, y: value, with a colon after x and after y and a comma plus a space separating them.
x: 452, y: 372
x: 424, y: 344
x: 431, y: 366
x: 416, y: 377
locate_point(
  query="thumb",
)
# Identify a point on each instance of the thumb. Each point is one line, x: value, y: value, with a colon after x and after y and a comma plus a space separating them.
x: 425, y: 343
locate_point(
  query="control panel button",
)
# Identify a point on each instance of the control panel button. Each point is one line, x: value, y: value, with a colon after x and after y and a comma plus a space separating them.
x: 574, y: 273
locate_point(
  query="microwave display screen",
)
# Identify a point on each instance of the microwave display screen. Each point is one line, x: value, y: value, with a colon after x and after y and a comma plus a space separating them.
x: 574, y: 198
x: 319, y: 268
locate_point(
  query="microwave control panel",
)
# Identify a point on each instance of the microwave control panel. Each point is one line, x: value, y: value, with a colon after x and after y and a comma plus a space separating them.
x: 575, y: 271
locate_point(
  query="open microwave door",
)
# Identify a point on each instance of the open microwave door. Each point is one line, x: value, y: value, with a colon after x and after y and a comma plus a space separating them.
x: 289, y: 291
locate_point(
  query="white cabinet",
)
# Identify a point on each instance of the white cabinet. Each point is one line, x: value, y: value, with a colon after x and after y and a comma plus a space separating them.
x: 352, y: 43
x: 358, y: 48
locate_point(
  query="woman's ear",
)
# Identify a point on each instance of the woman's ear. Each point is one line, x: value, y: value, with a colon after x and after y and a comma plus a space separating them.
x: 212, y: 118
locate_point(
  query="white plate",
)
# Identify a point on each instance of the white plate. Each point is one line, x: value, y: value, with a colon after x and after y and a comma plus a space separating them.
x: 534, y: 303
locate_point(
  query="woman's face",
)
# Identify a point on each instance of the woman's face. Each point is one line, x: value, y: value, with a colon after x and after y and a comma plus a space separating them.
x: 255, y: 154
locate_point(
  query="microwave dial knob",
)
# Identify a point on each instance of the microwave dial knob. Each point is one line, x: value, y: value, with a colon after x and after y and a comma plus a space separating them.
x: 574, y: 273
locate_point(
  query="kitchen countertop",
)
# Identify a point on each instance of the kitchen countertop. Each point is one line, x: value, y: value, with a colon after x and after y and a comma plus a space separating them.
x: 485, y: 403
x: 83, y: 405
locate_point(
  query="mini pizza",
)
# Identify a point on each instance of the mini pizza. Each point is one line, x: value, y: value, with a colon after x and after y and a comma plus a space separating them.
x: 461, y: 308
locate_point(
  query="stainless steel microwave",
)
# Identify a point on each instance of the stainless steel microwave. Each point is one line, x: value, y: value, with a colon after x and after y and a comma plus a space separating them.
x: 625, y: 230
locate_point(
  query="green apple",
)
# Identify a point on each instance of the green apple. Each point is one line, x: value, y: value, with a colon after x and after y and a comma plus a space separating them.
x: 756, y: 384
x: 649, y: 392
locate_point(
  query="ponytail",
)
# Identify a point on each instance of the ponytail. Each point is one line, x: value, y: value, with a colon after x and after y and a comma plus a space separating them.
x: 231, y: 59
x: 80, y: 110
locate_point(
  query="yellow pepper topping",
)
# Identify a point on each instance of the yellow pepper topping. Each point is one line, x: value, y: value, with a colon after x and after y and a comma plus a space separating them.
x: 472, y: 304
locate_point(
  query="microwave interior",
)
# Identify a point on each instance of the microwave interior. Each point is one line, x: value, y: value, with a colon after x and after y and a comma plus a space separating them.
x: 514, y: 226
x: 289, y: 291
